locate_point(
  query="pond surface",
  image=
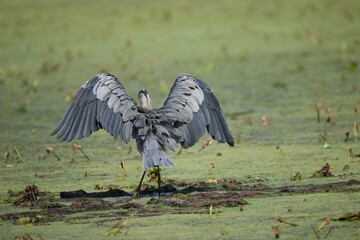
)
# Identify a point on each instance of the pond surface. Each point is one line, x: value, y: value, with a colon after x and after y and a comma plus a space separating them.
x: 286, y: 74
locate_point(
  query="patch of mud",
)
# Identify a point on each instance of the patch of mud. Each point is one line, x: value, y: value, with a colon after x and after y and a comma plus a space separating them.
x: 201, y: 200
x: 351, y: 185
x: 83, y: 194
x: 178, y: 198
x: 349, y: 217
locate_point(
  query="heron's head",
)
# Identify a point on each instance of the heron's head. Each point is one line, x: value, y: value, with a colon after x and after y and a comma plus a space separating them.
x: 145, y: 101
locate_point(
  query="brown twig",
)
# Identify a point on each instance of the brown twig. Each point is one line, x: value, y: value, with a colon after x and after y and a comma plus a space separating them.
x: 325, y: 222
x: 277, y: 231
x: 280, y: 219
x: 76, y: 147
x: 30, y: 193
x: 212, y: 166
x: 51, y: 150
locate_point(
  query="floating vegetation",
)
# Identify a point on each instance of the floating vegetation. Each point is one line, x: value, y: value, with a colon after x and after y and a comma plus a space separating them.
x: 296, y: 177
x: 325, y: 171
x: 154, y: 173
x: 303, y: 87
x: 50, y: 150
x: 321, y: 226
x: 206, y: 144
x: 318, y: 108
x: 297, y: 68
x: 122, y: 166
x: 29, y: 194
x: 347, y: 134
x: 16, y: 150
x: 77, y: 147
x: 283, y: 158
x: 326, y: 145
x: 353, y: 66
x: 325, y: 222
x: 212, y: 166
x: 21, y: 109
x: 225, y: 51
x: 329, y: 118
x: 212, y: 180
x: 120, y: 227
x: 180, y: 150
x: 249, y: 121
x: 352, y: 154
x: 69, y: 97
x: 282, y: 220
x: 129, y: 150
x: 49, y: 67
x: 6, y: 156
x: 323, y: 137
x: 68, y: 54
x: 355, y: 129
x: 235, y: 115
x: 265, y: 121
x: 357, y: 106
x: 33, y: 87
x: 280, y: 84
x: 277, y: 231
x: 237, y: 139
x: 349, y: 217
x: 107, y: 187
x: 314, y: 38
x: 26, y: 236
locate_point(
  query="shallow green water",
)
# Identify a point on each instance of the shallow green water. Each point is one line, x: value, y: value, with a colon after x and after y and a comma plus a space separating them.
x: 273, y: 59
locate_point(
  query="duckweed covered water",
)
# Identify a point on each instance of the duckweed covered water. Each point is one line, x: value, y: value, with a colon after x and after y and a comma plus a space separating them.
x: 272, y: 64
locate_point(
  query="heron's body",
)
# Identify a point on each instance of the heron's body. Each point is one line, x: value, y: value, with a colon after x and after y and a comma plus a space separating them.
x: 190, y: 109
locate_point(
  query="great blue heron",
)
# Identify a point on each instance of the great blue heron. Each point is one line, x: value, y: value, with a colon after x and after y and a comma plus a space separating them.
x: 190, y: 109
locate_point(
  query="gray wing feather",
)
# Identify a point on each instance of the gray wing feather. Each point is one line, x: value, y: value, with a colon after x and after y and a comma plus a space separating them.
x: 197, y: 110
x: 100, y: 103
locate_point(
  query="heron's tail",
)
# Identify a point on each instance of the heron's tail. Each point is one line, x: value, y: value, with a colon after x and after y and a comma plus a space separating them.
x: 154, y: 155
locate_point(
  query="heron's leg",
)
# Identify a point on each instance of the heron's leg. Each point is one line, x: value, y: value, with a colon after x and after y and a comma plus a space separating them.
x: 159, y: 179
x: 137, y: 191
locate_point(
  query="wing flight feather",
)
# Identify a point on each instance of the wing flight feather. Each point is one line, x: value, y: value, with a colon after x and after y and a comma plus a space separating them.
x: 100, y: 103
x: 197, y: 110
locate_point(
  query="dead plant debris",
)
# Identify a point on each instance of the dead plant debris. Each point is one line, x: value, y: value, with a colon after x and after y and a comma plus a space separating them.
x: 352, y: 154
x: 349, y: 217
x: 50, y: 150
x: 77, y: 147
x: 206, y: 144
x: 281, y: 219
x: 325, y: 171
x: 29, y: 194
x: 276, y: 230
x: 178, y: 198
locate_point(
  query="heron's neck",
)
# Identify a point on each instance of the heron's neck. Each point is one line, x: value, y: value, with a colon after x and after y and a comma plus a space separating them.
x: 145, y: 104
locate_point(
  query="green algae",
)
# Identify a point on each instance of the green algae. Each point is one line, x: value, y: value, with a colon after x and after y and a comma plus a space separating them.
x: 274, y: 59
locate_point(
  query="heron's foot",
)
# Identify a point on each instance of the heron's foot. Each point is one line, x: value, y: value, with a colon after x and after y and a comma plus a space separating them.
x: 136, y: 194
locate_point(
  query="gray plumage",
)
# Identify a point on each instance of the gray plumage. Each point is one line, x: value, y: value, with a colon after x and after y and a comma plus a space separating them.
x: 190, y: 109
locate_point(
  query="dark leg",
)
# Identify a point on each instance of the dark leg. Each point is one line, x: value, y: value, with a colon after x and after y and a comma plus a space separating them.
x: 159, y: 179
x: 137, y: 191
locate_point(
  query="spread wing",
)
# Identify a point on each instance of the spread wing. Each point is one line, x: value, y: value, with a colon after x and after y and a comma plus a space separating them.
x: 197, y: 110
x: 102, y: 102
